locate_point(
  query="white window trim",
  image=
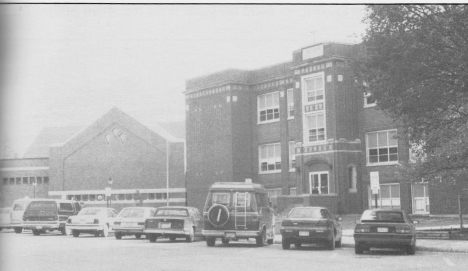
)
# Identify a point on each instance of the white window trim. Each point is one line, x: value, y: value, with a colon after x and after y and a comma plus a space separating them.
x: 258, y: 108
x: 379, y: 198
x: 366, y: 105
x: 310, y: 182
x: 353, y: 178
x: 305, y: 114
x: 288, y: 102
x: 260, y: 160
x: 291, y: 169
x: 383, y: 163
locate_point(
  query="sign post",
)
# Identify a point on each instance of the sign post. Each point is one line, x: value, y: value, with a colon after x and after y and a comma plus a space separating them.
x: 375, y: 185
x: 108, y: 195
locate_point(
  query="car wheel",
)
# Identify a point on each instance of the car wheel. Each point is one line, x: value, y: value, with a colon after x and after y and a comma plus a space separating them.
x: 152, y: 237
x: 191, y: 236
x: 286, y: 243
x: 97, y: 233
x: 210, y: 241
x: 64, y: 230
x: 339, y: 242
x: 411, y: 249
x: 358, y: 249
x: 75, y: 233
x: 138, y: 235
x: 18, y: 230
x: 298, y: 244
x: 331, y: 243
x: 225, y: 241
x: 261, y: 239
x: 118, y: 235
x: 270, y: 241
x: 172, y: 238
x: 36, y: 232
x: 105, y: 231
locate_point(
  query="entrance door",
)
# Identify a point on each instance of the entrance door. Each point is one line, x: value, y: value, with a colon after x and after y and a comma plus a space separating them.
x: 420, y: 198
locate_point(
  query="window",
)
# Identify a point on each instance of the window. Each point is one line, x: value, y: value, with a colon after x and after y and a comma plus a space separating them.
x: 128, y: 196
x: 292, y: 156
x: 5, y: 181
x: 25, y: 180
x: 275, y: 192
x: 84, y: 197
x: 388, y: 197
x: 46, y: 180
x: 121, y: 196
x: 270, y: 157
x: 290, y: 98
x: 314, y: 90
x: 151, y: 196
x: 369, y: 100
x: 12, y: 181
x: 352, y: 178
x: 39, y: 180
x: 220, y: 198
x: 32, y: 180
x: 382, y: 147
x: 315, y: 127
x: 292, y: 191
x: 18, y: 180
x: 92, y: 197
x: 318, y: 183
x: 268, y: 107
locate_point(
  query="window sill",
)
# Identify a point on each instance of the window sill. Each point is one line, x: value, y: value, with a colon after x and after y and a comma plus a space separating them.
x: 369, y: 105
x: 315, y: 143
x: 352, y: 190
x: 292, y: 170
x: 290, y: 118
x: 268, y: 121
x: 322, y: 195
x: 383, y: 164
x: 269, y: 172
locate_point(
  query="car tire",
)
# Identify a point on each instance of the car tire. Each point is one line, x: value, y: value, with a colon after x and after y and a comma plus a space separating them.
x: 225, y: 241
x: 286, y: 243
x: 152, y: 237
x: 298, y: 244
x: 105, y: 231
x: 65, y: 231
x: 339, y: 242
x: 18, y: 230
x: 118, y: 235
x: 261, y: 239
x: 358, y: 249
x: 270, y: 241
x: 75, y: 233
x: 97, y: 233
x: 36, y: 232
x: 172, y: 238
x: 411, y: 249
x: 210, y: 241
x: 331, y: 243
x: 191, y: 236
x: 137, y: 235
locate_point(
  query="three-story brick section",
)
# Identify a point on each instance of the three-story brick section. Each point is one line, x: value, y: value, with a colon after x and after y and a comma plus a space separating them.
x: 303, y: 130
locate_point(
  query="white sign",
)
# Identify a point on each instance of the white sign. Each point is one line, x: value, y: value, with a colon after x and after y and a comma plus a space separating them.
x: 374, y: 182
x: 312, y: 52
x: 108, y: 191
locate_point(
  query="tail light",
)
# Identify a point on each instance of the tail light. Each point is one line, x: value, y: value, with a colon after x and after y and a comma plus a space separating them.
x: 402, y: 229
x: 362, y: 228
x: 286, y: 223
x: 96, y: 221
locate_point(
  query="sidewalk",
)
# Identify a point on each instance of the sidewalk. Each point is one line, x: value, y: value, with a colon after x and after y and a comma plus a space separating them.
x: 458, y: 246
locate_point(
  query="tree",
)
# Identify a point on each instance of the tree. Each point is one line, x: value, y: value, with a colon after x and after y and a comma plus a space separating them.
x: 414, y: 59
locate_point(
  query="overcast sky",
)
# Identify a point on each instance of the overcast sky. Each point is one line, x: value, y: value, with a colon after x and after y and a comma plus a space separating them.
x: 67, y: 65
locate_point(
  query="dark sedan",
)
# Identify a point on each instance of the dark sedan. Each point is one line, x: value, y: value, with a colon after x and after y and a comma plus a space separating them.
x: 385, y: 228
x: 306, y: 225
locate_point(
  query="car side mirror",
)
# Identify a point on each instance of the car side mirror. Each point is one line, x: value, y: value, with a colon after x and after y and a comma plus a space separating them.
x: 415, y: 222
x: 339, y: 218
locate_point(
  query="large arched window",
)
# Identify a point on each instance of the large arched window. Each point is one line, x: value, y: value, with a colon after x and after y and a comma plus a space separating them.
x: 352, y: 178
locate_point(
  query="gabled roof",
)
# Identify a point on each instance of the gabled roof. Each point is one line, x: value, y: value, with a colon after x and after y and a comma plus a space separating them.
x: 53, y: 136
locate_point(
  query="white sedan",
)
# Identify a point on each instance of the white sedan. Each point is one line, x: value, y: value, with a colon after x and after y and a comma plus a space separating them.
x: 93, y: 220
x: 131, y: 221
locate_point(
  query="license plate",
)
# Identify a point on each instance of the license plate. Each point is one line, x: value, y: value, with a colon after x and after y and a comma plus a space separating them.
x: 303, y: 233
x: 38, y: 227
x: 382, y: 229
x: 230, y: 234
x: 165, y: 225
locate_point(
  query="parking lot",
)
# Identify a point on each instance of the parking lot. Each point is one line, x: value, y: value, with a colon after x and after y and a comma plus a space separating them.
x: 53, y: 251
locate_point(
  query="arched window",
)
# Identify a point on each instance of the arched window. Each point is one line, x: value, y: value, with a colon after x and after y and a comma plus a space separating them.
x: 352, y: 178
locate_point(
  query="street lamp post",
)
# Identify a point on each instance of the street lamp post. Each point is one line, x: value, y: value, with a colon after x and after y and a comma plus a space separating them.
x: 109, y: 193
x: 34, y: 185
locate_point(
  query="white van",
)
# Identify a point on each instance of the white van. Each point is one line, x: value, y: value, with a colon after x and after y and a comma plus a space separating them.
x: 17, y: 212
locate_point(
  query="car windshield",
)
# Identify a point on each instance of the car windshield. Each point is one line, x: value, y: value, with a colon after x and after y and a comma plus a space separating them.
x: 386, y: 216
x: 90, y: 211
x: 172, y: 212
x: 130, y: 212
x: 306, y: 213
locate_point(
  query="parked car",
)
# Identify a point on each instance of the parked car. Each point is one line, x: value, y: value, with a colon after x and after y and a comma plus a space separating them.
x: 43, y: 215
x: 17, y: 213
x: 131, y: 221
x: 93, y: 220
x: 385, y: 228
x: 5, y: 218
x: 238, y: 210
x: 306, y: 225
x: 174, y: 222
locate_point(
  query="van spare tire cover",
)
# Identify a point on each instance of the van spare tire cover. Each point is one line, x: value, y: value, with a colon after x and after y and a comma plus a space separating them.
x: 218, y: 215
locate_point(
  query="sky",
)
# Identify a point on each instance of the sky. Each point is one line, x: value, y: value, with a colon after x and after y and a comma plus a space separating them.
x: 67, y: 65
